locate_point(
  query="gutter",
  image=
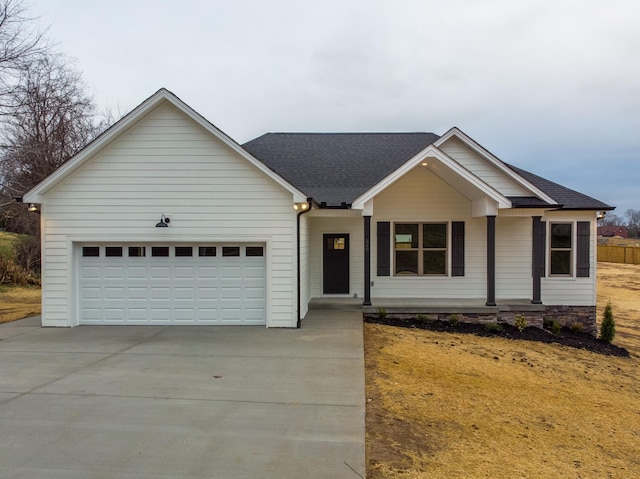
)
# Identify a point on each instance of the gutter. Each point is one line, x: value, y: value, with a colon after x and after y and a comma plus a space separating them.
x: 300, y: 213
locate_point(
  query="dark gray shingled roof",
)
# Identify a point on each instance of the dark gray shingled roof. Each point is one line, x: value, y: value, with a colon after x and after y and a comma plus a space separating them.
x: 336, y: 168
x: 568, y: 198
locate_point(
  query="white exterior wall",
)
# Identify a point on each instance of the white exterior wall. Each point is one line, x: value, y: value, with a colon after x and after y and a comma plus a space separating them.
x: 421, y: 196
x: 514, y: 252
x: 482, y: 168
x: 571, y: 290
x: 167, y: 164
x: 305, y: 267
x: 340, y: 221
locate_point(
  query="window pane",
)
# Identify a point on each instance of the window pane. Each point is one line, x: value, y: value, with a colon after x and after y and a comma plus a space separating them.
x: 434, y: 262
x: 90, y: 251
x: 255, y: 251
x: 561, y: 262
x: 159, y: 251
x: 207, y: 251
x: 406, y: 262
x: 434, y: 236
x: 561, y: 235
x: 113, y: 251
x: 231, y: 251
x: 406, y: 236
x: 137, y: 251
x: 184, y: 251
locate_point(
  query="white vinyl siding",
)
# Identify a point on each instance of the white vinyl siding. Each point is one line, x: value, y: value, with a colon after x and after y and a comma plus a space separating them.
x: 346, y: 221
x: 482, y: 168
x: 565, y: 290
x: 513, y: 258
x: 422, y: 197
x: 167, y: 164
x: 305, y: 266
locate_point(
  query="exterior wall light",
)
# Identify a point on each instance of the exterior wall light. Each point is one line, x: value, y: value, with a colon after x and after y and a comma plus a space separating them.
x: 33, y: 208
x: 301, y: 206
x: 164, y: 222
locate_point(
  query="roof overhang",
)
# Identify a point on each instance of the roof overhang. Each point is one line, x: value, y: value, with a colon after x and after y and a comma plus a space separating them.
x: 495, y: 161
x: 36, y: 194
x: 449, y: 171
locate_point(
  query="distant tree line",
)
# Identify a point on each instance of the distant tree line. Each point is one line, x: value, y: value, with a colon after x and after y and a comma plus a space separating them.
x: 631, y: 220
x: 46, y: 113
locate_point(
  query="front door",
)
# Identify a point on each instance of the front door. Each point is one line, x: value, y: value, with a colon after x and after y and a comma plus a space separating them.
x: 335, y: 264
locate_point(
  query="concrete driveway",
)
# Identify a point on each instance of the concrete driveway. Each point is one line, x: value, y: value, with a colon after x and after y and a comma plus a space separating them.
x: 183, y: 402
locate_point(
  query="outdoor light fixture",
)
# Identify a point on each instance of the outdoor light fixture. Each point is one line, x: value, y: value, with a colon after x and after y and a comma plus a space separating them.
x: 601, y: 214
x: 33, y: 208
x: 424, y: 163
x: 301, y: 206
x: 164, y: 222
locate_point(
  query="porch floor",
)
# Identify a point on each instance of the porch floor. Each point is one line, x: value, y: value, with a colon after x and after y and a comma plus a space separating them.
x: 424, y: 305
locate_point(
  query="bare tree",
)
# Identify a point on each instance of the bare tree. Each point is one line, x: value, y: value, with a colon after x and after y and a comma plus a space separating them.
x: 21, y: 42
x: 51, y: 118
x: 612, y: 220
x: 633, y: 222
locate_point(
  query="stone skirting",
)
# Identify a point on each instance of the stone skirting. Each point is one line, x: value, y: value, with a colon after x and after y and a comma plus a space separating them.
x: 567, y: 316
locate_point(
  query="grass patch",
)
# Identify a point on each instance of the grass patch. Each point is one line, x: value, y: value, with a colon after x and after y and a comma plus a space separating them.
x: 17, y: 302
x: 7, y: 240
x: 449, y: 405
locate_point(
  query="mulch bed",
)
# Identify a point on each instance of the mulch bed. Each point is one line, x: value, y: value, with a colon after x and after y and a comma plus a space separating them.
x: 565, y: 336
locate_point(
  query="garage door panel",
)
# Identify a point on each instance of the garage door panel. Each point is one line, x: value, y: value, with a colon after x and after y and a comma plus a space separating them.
x: 114, y: 272
x: 91, y: 272
x: 139, y: 314
x: 207, y: 272
x: 184, y: 293
x: 158, y: 293
x: 114, y: 293
x: 136, y: 272
x: 137, y: 292
x: 91, y: 293
x: 172, y: 289
x: 207, y: 293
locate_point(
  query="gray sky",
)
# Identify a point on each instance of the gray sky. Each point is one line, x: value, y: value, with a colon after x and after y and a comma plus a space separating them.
x: 550, y: 86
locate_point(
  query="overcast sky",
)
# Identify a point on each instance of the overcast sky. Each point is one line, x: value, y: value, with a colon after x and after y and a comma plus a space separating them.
x: 550, y: 86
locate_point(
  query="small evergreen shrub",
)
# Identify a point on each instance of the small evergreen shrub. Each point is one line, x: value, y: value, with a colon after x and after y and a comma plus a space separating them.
x: 493, y: 327
x: 577, y: 327
x: 423, y: 318
x: 608, y: 326
x: 454, y: 319
x: 520, y: 322
x: 382, y: 313
x: 552, y: 325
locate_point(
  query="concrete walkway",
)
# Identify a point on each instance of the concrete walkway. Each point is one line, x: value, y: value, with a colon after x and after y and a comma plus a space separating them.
x: 183, y: 402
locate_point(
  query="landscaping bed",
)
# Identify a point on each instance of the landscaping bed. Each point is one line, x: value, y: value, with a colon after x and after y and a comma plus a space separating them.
x: 564, y: 336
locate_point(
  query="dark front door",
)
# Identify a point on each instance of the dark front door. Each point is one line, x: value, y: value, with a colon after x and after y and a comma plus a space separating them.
x: 335, y: 264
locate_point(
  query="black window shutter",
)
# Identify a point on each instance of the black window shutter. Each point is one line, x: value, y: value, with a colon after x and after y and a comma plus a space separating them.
x: 583, y: 247
x: 384, y: 248
x: 539, y: 247
x: 457, y: 248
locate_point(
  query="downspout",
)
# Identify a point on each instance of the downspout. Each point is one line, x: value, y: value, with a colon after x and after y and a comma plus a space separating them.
x: 300, y: 213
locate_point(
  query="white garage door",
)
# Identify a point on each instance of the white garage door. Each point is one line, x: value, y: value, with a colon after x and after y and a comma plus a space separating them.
x: 172, y: 284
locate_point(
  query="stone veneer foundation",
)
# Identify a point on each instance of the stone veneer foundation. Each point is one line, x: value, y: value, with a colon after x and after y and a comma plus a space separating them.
x: 565, y: 315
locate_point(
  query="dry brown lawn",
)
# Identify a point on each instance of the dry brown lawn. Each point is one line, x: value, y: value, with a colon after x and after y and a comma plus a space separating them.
x: 17, y: 302
x: 444, y: 405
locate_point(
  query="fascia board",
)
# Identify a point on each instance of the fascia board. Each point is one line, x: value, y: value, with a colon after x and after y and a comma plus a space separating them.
x: 432, y: 151
x: 495, y: 161
x: 35, y: 195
